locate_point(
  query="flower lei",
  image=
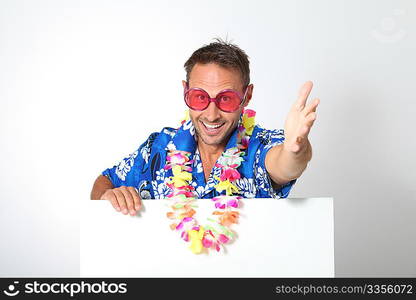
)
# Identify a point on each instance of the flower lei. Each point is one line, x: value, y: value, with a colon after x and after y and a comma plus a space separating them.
x: 217, y: 232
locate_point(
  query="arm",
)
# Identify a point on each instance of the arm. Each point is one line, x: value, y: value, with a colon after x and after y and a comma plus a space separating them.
x: 287, y: 161
x: 284, y: 166
x: 101, y: 184
x: 117, y: 184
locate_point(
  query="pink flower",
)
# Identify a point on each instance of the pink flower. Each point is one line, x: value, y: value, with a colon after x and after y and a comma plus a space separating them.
x: 223, y: 239
x: 250, y: 113
x: 207, y: 243
x: 185, y: 236
x: 232, y: 203
x: 182, y: 223
x: 222, y: 202
x: 230, y: 174
x: 220, y: 205
x: 244, y: 142
x: 177, y: 159
x: 208, y: 239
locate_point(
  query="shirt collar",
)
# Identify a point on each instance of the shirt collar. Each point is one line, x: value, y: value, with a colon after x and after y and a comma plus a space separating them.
x: 185, y: 139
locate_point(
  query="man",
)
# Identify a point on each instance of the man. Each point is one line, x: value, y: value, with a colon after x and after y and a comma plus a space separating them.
x: 217, y: 89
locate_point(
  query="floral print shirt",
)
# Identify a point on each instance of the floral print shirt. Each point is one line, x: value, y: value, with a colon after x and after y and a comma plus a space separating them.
x: 143, y: 169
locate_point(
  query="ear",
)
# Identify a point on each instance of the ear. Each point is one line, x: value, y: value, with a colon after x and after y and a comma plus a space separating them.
x: 249, y: 94
x: 184, y: 84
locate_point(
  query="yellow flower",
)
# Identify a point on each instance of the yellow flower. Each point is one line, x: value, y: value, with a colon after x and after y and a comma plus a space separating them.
x: 248, y: 123
x: 196, y: 240
x: 186, y: 116
x: 226, y: 186
x: 180, y: 178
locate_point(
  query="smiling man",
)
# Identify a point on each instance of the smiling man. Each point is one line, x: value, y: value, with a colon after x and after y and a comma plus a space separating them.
x: 217, y: 91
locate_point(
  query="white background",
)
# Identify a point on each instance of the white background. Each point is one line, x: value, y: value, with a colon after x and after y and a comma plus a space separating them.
x: 83, y: 83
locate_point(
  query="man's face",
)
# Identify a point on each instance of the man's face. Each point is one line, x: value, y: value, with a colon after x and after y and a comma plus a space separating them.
x: 213, y: 79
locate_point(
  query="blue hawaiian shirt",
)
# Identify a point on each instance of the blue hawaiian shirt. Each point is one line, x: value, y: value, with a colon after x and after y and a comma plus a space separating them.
x: 143, y: 169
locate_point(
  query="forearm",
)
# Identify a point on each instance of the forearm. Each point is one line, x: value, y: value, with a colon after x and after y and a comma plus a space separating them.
x: 101, y: 184
x: 284, y: 165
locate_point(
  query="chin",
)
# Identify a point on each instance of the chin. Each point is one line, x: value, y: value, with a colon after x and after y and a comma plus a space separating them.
x: 211, y: 140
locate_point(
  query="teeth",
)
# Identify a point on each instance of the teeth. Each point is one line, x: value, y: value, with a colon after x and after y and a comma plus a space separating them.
x: 211, y: 126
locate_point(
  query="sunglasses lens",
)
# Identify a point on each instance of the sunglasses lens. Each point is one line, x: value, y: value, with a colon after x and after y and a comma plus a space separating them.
x: 197, y: 100
x: 228, y: 101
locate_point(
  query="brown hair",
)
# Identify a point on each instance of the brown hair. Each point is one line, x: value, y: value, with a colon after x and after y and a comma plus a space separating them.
x: 223, y: 53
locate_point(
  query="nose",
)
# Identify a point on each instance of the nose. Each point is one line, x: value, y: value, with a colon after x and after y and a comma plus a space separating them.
x: 212, y: 113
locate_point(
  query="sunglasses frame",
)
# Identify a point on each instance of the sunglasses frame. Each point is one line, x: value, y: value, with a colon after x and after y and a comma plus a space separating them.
x: 215, y: 100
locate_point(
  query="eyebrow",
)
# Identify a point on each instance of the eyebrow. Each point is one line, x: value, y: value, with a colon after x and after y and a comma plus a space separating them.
x: 223, y: 87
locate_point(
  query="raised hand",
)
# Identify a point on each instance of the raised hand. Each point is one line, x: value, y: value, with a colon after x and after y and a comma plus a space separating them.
x: 299, y: 121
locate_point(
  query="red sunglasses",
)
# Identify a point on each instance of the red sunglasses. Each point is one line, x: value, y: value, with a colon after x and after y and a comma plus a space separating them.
x: 226, y: 100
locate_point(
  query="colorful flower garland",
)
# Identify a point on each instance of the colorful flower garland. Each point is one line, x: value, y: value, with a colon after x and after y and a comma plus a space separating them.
x: 217, y: 232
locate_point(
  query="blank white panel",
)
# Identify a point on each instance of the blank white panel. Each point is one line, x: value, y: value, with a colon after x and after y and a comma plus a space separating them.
x: 276, y: 238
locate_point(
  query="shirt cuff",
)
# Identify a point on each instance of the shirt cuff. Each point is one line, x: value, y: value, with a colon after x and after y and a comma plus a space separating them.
x: 284, y: 190
x: 281, y: 192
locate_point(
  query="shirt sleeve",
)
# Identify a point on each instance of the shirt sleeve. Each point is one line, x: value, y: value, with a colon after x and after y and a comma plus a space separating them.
x: 128, y: 171
x: 269, y: 139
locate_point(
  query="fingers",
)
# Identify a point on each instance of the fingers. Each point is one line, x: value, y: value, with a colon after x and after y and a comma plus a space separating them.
x: 303, y: 95
x: 129, y: 200
x: 109, y: 195
x: 136, y: 198
x: 310, y: 119
x: 311, y: 107
x: 124, y: 199
x: 307, y: 125
x: 305, y: 128
x: 121, y: 200
x: 131, y: 197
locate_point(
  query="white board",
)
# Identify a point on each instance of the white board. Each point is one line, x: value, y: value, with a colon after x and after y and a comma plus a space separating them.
x: 276, y: 238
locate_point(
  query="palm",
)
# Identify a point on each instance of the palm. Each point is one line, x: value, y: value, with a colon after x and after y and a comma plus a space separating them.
x: 300, y: 119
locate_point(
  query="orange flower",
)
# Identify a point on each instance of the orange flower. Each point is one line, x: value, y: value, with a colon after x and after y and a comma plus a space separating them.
x: 227, y: 218
x: 185, y: 212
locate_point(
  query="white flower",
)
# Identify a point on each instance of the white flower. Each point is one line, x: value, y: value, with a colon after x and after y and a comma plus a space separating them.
x: 199, y: 191
x: 247, y: 186
x: 171, y: 146
x: 160, y: 175
x: 169, y: 132
x: 145, y: 194
x: 261, y: 177
x: 145, y: 151
x: 230, y: 157
x: 199, y: 168
x: 188, y: 125
x: 161, y: 190
x: 125, y: 165
x: 197, y: 162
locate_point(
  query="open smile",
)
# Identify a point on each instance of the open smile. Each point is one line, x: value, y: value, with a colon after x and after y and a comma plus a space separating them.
x: 212, y: 129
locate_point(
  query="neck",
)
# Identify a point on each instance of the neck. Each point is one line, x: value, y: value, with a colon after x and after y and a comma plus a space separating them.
x: 209, y: 155
x: 210, y: 152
